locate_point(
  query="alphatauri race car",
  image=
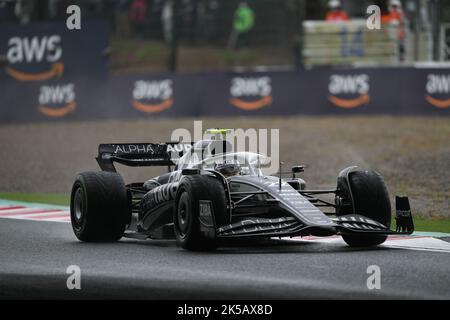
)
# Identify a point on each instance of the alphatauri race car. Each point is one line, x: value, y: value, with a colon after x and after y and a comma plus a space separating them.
x: 211, y: 194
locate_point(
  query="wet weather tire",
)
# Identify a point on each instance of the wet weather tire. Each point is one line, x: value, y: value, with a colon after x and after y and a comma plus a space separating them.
x: 99, y: 207
x: 186, y: 214
x: 371, y: 199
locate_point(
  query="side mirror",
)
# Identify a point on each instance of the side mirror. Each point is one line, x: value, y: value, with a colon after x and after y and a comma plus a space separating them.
x: 297, y: 169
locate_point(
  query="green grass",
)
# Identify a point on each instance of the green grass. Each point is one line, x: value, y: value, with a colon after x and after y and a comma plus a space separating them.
x: 56, y: 199
x: 231, y: 58
x: 431, y: 225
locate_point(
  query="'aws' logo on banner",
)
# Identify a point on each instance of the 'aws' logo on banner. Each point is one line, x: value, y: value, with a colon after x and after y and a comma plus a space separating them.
x: 57, y: 100
x: 349, y: 91
x: 46, y: 50
x: 438, y: 89
x: 251, y: 93
x: 152, y: 96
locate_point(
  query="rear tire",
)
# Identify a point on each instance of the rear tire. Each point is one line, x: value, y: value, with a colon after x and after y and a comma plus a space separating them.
x: 186, y: 216
x: 99, y: 207
x: 371, y: 199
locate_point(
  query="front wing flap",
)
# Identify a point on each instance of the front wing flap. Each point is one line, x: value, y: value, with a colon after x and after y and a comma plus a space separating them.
x: 354, y: 223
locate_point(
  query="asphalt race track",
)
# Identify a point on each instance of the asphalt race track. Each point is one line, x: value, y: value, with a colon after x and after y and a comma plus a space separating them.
x: 36, y: 254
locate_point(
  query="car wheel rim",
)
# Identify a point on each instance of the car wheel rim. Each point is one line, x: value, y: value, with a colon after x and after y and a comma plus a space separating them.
x: 183, y: 216
x: 78, y: 204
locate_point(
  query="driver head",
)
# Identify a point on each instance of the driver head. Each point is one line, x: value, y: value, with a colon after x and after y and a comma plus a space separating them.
x: 228, y: 169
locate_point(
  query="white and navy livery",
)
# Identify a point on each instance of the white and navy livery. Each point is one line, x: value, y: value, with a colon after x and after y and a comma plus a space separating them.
x: 201, y: 206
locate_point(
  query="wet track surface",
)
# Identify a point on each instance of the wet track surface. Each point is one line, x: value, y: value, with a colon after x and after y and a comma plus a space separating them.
x: 36, y: 254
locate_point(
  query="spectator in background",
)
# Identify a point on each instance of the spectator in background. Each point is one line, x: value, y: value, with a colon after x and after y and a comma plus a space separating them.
x: 24, y: 10
x: 167, y: 20
x: 207, y: 20
x: 396, y: 16
x: 243, y: 23
x: 335, y: 13
x: 395, y: 12
x: 138, y: 16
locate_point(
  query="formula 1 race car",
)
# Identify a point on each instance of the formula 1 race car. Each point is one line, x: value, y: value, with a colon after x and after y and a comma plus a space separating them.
x: 213, y: 194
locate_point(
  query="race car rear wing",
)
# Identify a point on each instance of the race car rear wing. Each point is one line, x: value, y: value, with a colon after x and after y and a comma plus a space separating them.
x: 138, y: 154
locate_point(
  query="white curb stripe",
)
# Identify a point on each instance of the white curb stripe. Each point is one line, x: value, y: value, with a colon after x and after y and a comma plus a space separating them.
x: 38, y: 216
x: 35, y: 213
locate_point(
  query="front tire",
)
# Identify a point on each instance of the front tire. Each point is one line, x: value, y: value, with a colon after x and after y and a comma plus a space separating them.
x: 371, y: 199
x: 99, y: 207
x: 187, y: 224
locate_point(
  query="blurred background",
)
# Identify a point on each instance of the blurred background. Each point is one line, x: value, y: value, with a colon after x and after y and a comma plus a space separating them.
x: 341, y: 93
x: 193, y: 35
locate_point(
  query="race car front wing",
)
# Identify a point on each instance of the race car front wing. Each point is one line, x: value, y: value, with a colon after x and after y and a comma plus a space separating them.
x: 343, y: 225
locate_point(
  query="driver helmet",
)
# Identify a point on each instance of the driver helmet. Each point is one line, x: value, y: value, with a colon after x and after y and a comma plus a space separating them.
x: 228, y: 169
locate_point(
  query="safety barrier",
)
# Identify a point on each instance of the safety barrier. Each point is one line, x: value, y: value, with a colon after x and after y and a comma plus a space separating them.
x: 392, y: 91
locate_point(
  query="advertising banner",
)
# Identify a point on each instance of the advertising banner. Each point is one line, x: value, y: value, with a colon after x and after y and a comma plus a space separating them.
x: 44, y: 51
x: 97, y: 96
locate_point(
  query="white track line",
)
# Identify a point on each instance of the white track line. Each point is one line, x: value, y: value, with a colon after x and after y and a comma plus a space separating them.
x: 24, y: 210
x: 421, y: 243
